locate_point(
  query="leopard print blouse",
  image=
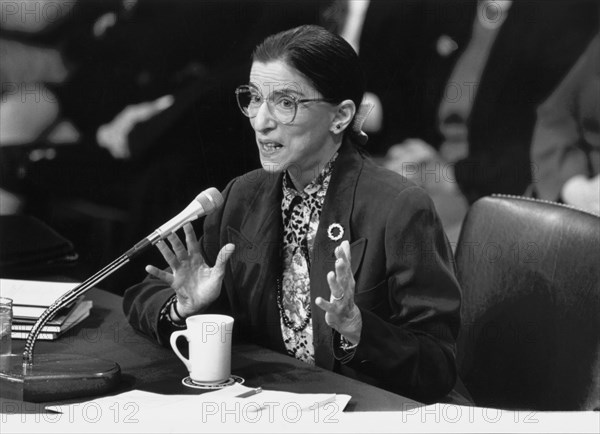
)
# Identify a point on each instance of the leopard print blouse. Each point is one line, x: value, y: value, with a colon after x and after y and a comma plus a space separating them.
x: 301, y: 212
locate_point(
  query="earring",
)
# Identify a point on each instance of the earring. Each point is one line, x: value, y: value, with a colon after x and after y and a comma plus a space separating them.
x: 338, y: 126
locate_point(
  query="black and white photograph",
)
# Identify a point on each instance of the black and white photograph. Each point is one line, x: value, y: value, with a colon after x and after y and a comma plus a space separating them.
x: 299, y: 216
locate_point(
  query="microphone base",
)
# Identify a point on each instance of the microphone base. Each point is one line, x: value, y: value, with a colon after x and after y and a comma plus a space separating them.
x: 56, y: 377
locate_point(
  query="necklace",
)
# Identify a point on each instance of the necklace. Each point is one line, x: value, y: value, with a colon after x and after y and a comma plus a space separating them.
x: 286, y: 320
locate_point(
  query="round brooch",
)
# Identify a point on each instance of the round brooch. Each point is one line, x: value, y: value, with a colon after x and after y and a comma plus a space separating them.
x: 335, y: 232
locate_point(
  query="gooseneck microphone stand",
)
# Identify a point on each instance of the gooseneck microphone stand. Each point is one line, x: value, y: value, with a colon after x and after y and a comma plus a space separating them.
x: 75, y: 293
x: 56, y: 377
x: 61, y: 376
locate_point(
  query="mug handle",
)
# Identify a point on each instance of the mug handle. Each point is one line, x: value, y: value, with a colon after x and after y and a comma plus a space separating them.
x: 174, y: 336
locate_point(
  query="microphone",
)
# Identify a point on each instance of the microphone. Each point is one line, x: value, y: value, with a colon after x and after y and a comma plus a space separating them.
x: 205, y: 203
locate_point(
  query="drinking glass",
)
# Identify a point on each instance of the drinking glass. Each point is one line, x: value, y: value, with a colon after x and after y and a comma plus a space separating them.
x: 6, y: 314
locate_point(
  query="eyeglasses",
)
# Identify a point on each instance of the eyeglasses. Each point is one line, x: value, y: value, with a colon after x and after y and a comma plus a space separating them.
x: 282, y: 106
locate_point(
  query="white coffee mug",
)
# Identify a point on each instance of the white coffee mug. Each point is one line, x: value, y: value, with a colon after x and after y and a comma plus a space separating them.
x: 209, y: 338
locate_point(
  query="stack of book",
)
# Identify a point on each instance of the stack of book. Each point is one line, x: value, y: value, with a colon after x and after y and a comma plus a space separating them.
x: 30, y: 300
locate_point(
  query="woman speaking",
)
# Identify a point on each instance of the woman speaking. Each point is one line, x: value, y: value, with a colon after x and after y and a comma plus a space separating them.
x: 320, y: 254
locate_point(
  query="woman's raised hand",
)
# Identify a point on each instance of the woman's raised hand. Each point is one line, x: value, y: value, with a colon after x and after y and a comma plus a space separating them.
x: 341, y: 313
x: 196, y: 284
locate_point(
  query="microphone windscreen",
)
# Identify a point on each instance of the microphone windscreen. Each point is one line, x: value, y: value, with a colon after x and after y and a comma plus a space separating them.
x: 210, y: 199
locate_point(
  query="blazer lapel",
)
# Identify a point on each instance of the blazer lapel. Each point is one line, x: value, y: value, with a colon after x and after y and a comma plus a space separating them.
x: 256, y: 262
x: 337, y: 210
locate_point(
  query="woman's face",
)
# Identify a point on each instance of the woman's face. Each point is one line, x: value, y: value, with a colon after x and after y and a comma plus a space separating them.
x: 308, y: 143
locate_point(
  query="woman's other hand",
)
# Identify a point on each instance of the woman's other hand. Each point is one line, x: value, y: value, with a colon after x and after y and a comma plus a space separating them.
x: 196, y: 284
x: 340, y: 311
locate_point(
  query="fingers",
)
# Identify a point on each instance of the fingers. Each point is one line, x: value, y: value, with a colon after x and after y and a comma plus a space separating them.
x: 168, y: 255
x: 191, y: 240
x: 222, y: 258
x: 343, y: 251
x: 341, y: 283
x: 178, y: 247
x: 343, y: 274
x: 343, y: 270
x: 337, y: 290
x: 160, y: 274
x: 342, y: 264
x: 180, y: 255
x: 323, y: 304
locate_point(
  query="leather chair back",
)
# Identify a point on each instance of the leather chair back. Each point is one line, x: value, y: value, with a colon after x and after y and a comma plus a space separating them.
x: 530, y: 274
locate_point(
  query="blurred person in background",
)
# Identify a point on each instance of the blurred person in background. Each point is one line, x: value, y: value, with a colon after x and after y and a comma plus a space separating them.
x: 149, y: 96
x: 30, y: 60
x: 388, y: 37
x: 487, y: 67
x: 566, y: 142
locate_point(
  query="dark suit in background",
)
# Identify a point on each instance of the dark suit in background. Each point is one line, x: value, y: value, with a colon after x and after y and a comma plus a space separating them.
x: 198, y: 51
x: 534, y: 49
x: 391, y: 42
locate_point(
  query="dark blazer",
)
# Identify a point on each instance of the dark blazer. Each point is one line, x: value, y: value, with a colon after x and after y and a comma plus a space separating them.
x: 405, y: 284
x: 391, y: 43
